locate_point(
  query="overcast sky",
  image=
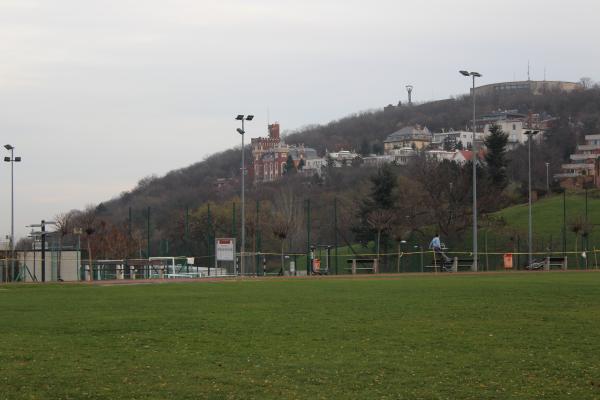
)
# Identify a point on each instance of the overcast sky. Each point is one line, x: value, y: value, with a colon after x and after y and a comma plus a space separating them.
x: 97, y: 94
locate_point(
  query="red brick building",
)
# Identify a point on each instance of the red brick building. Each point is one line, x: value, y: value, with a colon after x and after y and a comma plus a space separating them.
x: 269, y: 155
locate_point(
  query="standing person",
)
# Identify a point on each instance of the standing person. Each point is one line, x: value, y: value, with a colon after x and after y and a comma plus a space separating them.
x: 436, y: 246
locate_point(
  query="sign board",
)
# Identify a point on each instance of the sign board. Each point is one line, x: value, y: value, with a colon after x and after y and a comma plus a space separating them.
x: 508, y: 261
x: 225, y: 249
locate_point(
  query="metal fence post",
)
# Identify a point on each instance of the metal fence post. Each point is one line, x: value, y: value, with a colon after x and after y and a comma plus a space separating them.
x: 308, y: 237
x: 335, y: 233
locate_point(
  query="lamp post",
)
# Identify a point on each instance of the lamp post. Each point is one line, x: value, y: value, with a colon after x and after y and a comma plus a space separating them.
x: 241, y: 131
x: 530, y: 135
x: 12, y: 160
x: 474, y: 149
x: 401, y: 266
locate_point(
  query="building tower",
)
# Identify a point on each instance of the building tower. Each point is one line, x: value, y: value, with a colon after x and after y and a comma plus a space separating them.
x: 409, y: 89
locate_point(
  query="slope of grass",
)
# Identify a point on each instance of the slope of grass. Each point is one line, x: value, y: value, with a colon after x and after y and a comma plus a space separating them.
x: 517, y: 336
x: 547, y: 213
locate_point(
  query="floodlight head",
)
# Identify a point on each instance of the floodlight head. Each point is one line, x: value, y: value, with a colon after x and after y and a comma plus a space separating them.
x: 476, y: 74
x: 465, y: 73
x: 7, y: 159
x: 17, y: 159
x: 403, y: 241
x: 8, y: 147
x: 239, y: 117
x: 249, y: 117
x: 240, y: 131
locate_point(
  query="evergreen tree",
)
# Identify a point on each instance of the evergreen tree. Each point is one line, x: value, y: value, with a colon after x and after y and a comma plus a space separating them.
x: 382, y: 192
x: 289, y: 168
x: 365, y: 147
x: 382, y: 196
x: 496, y: 157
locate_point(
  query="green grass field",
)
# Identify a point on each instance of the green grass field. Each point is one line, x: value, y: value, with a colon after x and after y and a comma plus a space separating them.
x: 548, y: 213
x: 503, y: 336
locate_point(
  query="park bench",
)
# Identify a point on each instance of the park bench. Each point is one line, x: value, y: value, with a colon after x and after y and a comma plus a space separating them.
x: 555, y: 262
x: 548, y: 262
x: 462, y: 263
x: 362, y: 264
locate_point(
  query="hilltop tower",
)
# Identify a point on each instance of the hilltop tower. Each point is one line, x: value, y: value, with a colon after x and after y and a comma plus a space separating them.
x: 409, y: 89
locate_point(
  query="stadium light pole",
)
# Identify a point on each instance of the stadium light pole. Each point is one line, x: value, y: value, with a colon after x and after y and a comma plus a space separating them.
x: 474, y: 149
x: 242, y: 131
x: 530, y: 135
x: 12, y: 160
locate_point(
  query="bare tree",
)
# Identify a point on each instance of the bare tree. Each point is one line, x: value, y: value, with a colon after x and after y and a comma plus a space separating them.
x: 284, y: 217
x: 87, y: 221
x: 579, y: 225
x: 380, y: 220
x: 586, y: 82
x: 64, y: 226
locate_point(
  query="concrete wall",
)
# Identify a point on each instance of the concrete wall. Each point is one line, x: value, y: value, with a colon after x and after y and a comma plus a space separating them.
x: 70, y: 262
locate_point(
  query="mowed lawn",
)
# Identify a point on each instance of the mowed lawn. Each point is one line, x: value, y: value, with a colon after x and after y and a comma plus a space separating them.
x: 503, y: 336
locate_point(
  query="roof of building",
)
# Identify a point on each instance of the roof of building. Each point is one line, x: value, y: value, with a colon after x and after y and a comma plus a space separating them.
x: 407, y: 133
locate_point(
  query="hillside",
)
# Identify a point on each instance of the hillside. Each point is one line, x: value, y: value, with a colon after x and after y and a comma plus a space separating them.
x: 192, y: 188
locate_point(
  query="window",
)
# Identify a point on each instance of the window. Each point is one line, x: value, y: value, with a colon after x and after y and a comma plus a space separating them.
x: 514, y: 129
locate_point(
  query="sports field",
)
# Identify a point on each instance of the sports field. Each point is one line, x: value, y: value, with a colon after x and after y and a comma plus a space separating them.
x: 501, y: 336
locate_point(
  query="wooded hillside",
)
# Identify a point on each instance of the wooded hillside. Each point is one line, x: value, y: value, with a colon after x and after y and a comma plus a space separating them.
x: 178, y: 202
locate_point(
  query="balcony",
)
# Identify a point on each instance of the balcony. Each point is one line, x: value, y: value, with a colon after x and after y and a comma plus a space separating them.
x: 583, y: 157
x: 567, y: 175
x: 588, y: 147
x: 578, y: 166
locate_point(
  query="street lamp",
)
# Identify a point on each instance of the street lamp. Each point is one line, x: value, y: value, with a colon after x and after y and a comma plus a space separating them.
x: 530, y: 134
x: 474, y: 149
x: 12, y: 160
x: 401, y: 256
x: 241, y: 131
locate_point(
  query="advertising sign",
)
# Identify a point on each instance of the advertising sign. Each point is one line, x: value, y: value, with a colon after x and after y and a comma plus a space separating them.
x: 225, y: 249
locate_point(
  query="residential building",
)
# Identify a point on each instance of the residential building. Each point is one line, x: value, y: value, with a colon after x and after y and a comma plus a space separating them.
x: 403, y: 155
x: 441, y: 155
x: 377, y: 161
x: 306, y: 160
x: 584, y: 168
x: 269, y: 155
x: 460, y: 139
x: 515, y: 125
x: 415, y: 137
x: 342, y: 158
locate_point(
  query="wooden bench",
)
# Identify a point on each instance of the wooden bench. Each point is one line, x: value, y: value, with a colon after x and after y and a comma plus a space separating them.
x: 357, y: 265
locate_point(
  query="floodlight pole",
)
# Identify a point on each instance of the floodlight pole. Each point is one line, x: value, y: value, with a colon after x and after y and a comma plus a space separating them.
x: 530, y: 134
x: 474, y: 160
x: 243, y: 216
x: 12, y: 161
